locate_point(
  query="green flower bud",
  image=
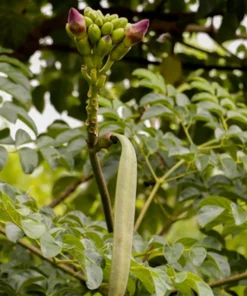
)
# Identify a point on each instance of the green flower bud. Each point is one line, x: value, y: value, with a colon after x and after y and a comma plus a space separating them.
x: 107, y: 28
x: 119, y: 52
x: 107, y: 18
x: 89, y: 12
x: 113, y: 17
x: 100, y: 14
x: 120, y: 22
x: 104, y: 46
x: 94, y: 33
x: 102, y: 49
x: 83, y: 46
x: 99, y: 21
x: 88, y: 21
x: 118, y: 35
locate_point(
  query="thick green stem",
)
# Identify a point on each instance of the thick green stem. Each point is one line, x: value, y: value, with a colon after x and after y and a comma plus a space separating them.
x: 92, y: 129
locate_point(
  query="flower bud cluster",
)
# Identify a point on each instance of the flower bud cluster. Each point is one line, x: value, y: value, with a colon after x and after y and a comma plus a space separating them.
x: 97, y: 35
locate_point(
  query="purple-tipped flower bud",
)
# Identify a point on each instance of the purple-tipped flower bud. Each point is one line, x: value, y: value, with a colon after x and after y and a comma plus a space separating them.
x: 136, y: 32
x: 76, y: 23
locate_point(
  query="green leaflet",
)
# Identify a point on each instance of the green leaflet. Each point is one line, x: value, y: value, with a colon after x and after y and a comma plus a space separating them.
x: 123, y: 218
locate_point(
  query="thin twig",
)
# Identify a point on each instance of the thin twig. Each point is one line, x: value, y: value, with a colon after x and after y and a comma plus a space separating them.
x: 37, y: 252
x: 68, y: 191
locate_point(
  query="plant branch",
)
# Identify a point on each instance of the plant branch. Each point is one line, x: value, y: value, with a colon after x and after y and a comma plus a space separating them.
x: 229, y: 280
x: 68, y: 191
x: 105, y: 197
x: 37, y: 252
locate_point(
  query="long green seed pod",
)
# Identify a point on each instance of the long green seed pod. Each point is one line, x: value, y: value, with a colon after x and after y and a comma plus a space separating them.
x: 123, y: 218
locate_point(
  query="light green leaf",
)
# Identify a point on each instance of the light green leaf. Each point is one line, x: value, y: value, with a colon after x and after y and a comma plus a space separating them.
x: 144, y: 275
x: 49, y: 247
x: 3, y: 157
x: 197, y: 255
x: 94, y: 275
x: 154, y: 98
x: 15, y: 75
x: 203, y: 289
x: 156, y: 111
x: 172, y: 254
x: 209, y: 213
x: 221, y: 262
x: 204, y: 96
x: 182, y: 100
x: 22, y: 137
x: 29, y: 159
x: 32, y: 228
x: 13, y: 232
x: 239, y: 215
x: 17, y: 91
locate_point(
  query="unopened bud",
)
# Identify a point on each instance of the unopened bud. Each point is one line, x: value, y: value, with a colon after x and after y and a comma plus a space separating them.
x: 102, y: 49
x: 76, y: 23
x: 113, y: 17
x: 88, y: 21
x: 107, y: 28
x: 119, y: 52
x: 94, y: 33
x: 100, y: 14
x: 104, y: 46
x: 107, y: 18
x: 99, y: 21
x: 118, y: 35
x: 136, y: 32
x: 120, y: 22
x: 89, y: 12
x: 83, y: 46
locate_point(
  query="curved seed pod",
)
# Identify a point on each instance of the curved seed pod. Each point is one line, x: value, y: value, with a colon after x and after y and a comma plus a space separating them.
x: 113, y: 17
x: 89, y: 12
x: 99, y: 21
x: 94, y: 33
x: 119, y: 52
x: 120, y: 22
x: 123, y: 218
x: 107, y: 28
x: 83, y: 46
x: 88, y: 21
x: 118, y: 35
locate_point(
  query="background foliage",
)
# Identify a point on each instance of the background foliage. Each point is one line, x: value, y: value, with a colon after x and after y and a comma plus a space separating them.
x: 183, y: 107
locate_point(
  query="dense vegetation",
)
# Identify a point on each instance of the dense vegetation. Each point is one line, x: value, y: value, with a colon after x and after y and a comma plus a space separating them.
x: 181, y: 104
